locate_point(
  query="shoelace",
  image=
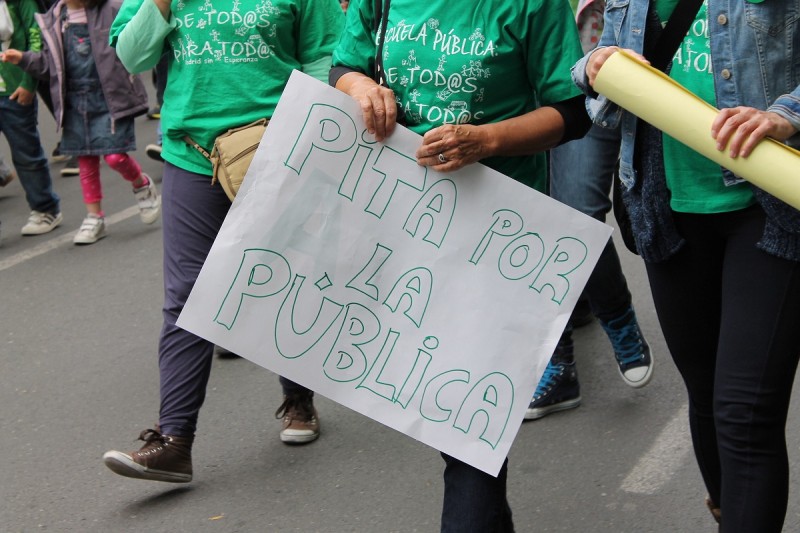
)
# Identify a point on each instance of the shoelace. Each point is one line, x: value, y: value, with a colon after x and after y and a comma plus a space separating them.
x: 300, y: 403
x: 548, y: 379
x: 627, y: 344
x: 150, y: 436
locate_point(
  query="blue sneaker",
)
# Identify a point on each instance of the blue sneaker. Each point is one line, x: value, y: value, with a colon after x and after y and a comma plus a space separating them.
x: 630, y: 349
x: 558, y: 390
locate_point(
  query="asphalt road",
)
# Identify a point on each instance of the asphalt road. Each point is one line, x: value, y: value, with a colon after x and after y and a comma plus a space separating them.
x: 78, y: 334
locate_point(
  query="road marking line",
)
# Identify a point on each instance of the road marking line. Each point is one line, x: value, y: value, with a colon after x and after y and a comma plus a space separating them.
x: 661, y: 461
x: 54, y: 243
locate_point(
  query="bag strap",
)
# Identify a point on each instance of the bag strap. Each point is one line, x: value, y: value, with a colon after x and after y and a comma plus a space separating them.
x: 379, y: 24
x: 674, y: 32
x: 191, y: 142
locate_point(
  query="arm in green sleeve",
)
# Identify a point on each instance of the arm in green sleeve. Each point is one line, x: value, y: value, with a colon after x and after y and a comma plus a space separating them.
x: 27, y: 11
x: 318, y: 69
x: 140, y: 40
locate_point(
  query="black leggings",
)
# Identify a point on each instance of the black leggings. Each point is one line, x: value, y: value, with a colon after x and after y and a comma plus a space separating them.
x: 730, y: 314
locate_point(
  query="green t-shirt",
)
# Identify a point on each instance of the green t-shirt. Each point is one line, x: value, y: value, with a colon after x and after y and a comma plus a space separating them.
x: 229, y: 61
x: 478, y: 64
x: 695, y: 181
x: 27, y: 36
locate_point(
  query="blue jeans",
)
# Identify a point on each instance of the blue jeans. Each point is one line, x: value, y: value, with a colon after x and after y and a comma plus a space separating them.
x: 20, y: 125
x: 192, y: 214
x: 474, y: 501
x: 581, y: 176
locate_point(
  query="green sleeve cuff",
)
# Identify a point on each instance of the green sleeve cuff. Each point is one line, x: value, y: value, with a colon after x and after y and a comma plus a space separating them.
x: 141, y: 43
x: 318, y: 69
x: 28, y: 82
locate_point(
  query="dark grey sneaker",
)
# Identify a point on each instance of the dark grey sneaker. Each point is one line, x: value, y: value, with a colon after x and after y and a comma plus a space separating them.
x: 299, y: 417
x: 558, y: 390
x: 630, y: 349
x: 162, y: 458
x: 70, y: 168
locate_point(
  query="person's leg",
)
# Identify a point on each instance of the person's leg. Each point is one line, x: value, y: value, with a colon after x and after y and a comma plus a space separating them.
x: 558, y: 389
x: 756, y: 363
x: 128, y: 168
x: 144, y: 188
x: 687, y: 297
x: 20, y: 125
x: 474, y: 501
x: 581, y: 176
x: 299, y: 417
x: 193, y: 214
x: 91, y: 185
x: 737, y: 349
x: 192, y: 218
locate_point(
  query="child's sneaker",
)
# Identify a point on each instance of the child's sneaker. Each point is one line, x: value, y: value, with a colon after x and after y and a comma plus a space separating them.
x: 148, y: 201
x: 92, y: 230
x: 39, y: 223
x: 631, y: 350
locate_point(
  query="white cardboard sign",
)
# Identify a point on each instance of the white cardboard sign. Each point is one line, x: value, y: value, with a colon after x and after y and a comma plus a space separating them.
x: 430, y: 302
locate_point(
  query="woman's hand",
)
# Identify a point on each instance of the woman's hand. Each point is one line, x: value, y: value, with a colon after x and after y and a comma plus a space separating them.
x: 740, y: 129
x: 453, y: 146
x: 599, y: 57
x: 378, y: 103
x: 165, y: 6
x: 11, y: 56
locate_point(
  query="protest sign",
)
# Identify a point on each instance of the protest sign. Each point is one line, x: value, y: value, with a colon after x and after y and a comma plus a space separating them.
x: 430, y: 302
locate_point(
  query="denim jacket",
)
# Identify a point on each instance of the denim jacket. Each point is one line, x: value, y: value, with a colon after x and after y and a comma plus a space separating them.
x: 755, y: 50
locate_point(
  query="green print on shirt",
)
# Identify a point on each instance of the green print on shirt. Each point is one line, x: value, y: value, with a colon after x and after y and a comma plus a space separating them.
x: 237, y: 36
x: 441, y: 63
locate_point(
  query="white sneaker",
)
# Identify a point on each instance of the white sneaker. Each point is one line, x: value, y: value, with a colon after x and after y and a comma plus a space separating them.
x: 39, y: 223
x: 148, y: 200
x: 92, y: 230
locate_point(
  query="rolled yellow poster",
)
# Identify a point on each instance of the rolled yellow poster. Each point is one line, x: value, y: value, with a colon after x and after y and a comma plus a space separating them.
x: 656, y: 98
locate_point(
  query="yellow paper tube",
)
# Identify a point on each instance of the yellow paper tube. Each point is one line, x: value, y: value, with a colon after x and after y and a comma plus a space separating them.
x: 656, y: 98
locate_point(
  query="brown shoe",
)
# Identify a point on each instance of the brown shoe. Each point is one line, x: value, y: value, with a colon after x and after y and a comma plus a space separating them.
x: 716, y: 512
x: 300, y: 420
x: 162, y: 458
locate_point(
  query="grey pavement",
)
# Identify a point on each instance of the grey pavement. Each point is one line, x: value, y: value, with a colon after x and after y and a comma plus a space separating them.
x: 79, y: 376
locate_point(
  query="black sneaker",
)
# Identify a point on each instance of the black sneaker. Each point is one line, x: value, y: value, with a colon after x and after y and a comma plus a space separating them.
x: 154, y: 113
x: 299, y: 417
x: 153, y: 151
x: 70, y: 168
x: 57, y: 156
x: 558, y: 390
x: 162, y: 458
x: 630, y: 349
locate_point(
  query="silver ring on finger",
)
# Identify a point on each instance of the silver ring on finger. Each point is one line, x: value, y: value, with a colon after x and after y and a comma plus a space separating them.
x: 442, y: 159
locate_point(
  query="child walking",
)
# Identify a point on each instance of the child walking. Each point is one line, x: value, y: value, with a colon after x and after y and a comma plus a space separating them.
x: 94, y: 100
x: 19, y: 119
